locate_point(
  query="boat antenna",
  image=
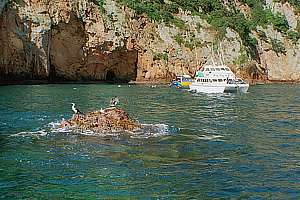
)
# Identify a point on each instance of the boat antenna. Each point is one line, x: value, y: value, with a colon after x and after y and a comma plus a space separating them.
x: 197, y: 59
x: 212, y: 55
x: 222, y: 55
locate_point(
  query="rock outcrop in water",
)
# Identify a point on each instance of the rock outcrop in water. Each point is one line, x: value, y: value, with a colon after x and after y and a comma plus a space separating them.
x: 102, y: 121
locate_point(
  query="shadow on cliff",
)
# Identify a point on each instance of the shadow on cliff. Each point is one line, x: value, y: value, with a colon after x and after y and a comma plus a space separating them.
x: 30, y: 55
x: 72, y: 60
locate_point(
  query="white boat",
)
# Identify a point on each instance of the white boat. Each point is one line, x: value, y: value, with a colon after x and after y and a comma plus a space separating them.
x: 217, y: 79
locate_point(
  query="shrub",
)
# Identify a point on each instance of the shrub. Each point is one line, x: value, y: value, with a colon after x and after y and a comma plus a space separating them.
x: 298, y: 26
x: 261, y: 16
x: 280, y: 23
x: 161, y: 56
x: 293, y: 36
x: 241, y: 60
x: 179, y: 39
x: 219, y: 21
x: 278, y: 46
x: 101, y: 5
x: 5, y: 4
x: 172, y: 8
x: 179, y: 23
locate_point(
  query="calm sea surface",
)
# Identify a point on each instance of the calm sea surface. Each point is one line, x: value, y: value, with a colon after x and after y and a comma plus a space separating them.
x: 226, y: 146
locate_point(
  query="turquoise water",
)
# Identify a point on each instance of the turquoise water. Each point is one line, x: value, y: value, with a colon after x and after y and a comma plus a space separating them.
x: 226, y: 146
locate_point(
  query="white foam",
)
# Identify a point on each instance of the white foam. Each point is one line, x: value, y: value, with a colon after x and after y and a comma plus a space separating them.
x: 31, y: 133
x: 210, y: 137
x: 145, y: 131
x: 152, y: 130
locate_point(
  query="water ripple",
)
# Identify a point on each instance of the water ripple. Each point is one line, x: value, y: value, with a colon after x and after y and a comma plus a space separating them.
x: 193, y: 146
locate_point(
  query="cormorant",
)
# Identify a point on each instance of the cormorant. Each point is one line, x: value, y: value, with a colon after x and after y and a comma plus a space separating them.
x: 113, y: 102
x: 75, y: 110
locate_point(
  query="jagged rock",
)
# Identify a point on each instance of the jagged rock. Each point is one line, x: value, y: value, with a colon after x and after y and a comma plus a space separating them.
x: 102, y: 121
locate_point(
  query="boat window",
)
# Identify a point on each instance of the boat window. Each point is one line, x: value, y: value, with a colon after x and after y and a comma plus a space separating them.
x: 223, y: 69
x: 218, y: 69
x: 215, y: 80
x: 230, y: 81
x: 207, y: 69
x: 220, y: 80
x: 227, y: 69
x: 241, y: 81
x: 212, y: 69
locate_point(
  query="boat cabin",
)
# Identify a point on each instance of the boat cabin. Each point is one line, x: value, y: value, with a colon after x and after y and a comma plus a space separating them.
x: 217, y: 79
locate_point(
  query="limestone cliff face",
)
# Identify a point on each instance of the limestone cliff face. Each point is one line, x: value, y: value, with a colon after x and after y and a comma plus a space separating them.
x: 75, y: 40
x: 284, y: 66
x: 61, y: 40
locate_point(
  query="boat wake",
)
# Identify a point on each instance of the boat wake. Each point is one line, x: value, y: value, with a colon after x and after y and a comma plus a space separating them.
x: 145, y: 131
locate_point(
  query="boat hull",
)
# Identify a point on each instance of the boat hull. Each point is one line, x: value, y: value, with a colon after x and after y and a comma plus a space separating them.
x: 207, y: 88
x: 242, y: 88
x: 231, y: 88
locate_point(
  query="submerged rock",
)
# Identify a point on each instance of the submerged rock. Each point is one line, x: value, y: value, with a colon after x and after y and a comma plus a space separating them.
x: 102, y: 121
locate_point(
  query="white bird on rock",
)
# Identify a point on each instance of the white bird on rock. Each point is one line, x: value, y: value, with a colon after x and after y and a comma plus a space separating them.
x: 75, y: 110
x: 113, y: 102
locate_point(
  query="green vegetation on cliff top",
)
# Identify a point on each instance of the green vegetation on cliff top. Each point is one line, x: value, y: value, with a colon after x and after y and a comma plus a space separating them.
x: 221, y: 16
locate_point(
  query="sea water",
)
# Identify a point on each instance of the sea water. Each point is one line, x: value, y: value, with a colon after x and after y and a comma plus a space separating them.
x: 193, y: 146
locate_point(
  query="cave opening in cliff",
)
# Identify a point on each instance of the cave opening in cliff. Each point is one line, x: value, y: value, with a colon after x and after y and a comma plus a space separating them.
x: 121, y: 66
x: 111, y: 76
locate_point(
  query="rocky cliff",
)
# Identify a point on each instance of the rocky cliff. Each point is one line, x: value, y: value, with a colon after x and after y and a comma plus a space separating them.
x: 112, y: 41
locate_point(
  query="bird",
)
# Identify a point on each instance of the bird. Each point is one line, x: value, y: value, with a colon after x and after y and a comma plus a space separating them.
x: 113, y: 102
x: 75, y: 110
